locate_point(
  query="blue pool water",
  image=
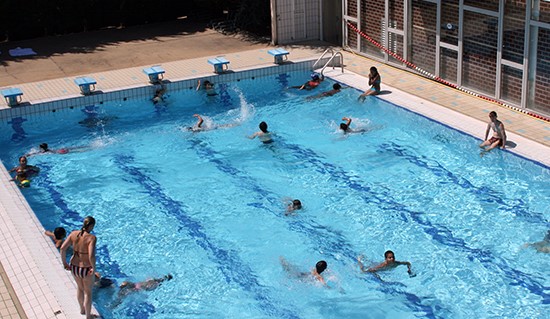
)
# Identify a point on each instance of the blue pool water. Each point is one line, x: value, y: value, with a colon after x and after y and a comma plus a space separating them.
x: 209, y: 207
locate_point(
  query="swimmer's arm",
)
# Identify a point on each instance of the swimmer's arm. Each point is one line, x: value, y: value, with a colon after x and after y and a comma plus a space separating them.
x: 347, y: 119
x: 361, y: 266
x: 408, y: 264
x: 377, y: 267
x: 198, y: 85
x: 253, y: 136
x: 49, y: 234
x: 487, y: 131
x: 372, y: 80
x: 199, y: 120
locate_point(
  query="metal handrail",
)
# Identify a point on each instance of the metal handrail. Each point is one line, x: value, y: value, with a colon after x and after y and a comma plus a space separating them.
x: 322, y: 56
x: 330, y: 60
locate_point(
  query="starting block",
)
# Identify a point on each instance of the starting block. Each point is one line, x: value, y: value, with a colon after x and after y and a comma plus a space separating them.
x: 87, y: 85
x: 13, y: 96
x: 220, y: 64
x: 280, y: 55
x: 155, y: 74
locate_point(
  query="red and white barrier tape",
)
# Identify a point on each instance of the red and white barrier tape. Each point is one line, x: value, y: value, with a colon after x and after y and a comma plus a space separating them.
x: 440, y: 80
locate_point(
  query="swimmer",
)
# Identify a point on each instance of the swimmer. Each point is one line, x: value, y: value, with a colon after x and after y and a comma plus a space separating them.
x: 23, y: 171
x: 58, y: 235
x: 292, y: 206
x: 542, y: 246
x: 43, y: 149
x: 159, y: 95
x: 314, y: 274
x: 336, y: 88
x: 374, y: 82
x: 388, y: 263
x: 311, y: 84
x: 499, y: 134
x: 208, y: 87
x: 127, y: 287
x: 263, y: 134
x: 345, y: 126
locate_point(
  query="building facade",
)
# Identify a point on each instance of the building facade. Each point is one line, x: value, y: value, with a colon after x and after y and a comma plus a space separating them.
x: 498, y: 48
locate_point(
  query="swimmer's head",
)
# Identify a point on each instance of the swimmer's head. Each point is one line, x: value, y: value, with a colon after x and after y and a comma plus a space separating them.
x: 23, y: 160
x: 105, y: 282
x: 44, y: 147
x: 296, y: 204
x: 263, y: 127
x: 493, y: 114
x: 336, y: 86
x: 59, y: 233
x: 208, y: 84
x: 320, y: 266
x: 373, y: 70
x: 89, y: 223
x: 344, y: 127
x: 389, y: 255
x: 315, y: 76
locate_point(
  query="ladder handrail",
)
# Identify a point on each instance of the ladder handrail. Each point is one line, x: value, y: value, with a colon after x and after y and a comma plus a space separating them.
x: 330, y: 60
x: 322, y: 56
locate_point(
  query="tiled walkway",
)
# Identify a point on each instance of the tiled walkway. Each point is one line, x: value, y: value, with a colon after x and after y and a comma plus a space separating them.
x: 472, y: 115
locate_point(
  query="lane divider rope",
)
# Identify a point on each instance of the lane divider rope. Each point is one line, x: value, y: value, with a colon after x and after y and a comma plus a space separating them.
x: 440, y: 80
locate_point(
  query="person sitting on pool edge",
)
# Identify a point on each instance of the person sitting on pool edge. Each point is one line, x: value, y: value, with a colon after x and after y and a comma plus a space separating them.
x: 345, y: 126
x: 499, y: 134
x: 263, y: 134
x: 311, y: 84
x: 295, y: 204
x: 374, y: 82
x: 388, y: 263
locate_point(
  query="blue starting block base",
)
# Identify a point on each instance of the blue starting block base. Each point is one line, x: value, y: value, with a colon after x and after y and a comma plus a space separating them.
x: 87, y: 85
x: 155, y: 73
x: 13, y: 96
x: 220, y: 64
x: 280, y: 55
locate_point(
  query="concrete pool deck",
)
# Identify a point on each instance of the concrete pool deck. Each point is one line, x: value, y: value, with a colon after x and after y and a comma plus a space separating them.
x: 29, y: 263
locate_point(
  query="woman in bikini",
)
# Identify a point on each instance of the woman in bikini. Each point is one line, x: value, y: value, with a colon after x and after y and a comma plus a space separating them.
x: 82, y: 264
x: 374, y: 82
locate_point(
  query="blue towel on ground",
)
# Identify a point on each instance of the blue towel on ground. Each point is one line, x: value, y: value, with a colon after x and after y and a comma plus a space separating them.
x: 21, y: 51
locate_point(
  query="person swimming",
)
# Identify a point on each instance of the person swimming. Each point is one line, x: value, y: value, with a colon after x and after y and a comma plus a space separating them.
x: 263, y: 134
x: 314, y: 274
x: 346, y: 126
x: 316, y: 79
x: 388, y: 263
x: 294, y: 205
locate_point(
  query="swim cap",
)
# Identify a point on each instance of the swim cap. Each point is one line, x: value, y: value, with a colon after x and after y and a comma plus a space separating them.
x: 314, y: 75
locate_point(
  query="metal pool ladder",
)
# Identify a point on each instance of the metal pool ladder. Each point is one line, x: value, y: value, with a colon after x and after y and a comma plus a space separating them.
x: 333, y: 55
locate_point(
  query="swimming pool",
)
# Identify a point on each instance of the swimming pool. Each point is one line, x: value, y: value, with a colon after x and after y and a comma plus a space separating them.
x: 208, y: 207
